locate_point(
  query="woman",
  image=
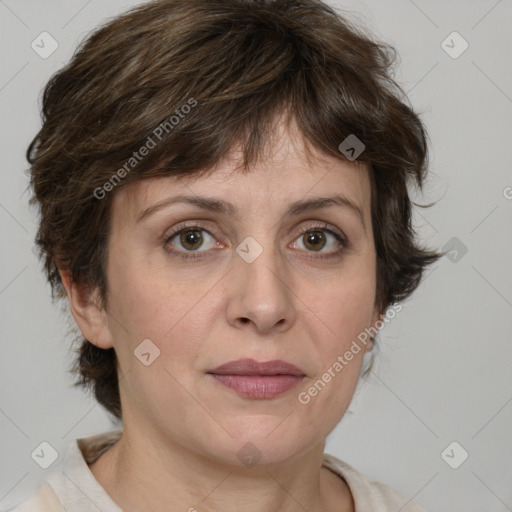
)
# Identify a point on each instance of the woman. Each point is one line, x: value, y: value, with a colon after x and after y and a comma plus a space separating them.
x: 223, y: 196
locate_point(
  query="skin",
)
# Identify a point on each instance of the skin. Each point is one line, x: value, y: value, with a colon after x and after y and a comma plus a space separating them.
x: 183, y: 428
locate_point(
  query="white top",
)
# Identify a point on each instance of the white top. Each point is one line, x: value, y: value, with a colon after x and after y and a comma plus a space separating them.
x: 72, y: 487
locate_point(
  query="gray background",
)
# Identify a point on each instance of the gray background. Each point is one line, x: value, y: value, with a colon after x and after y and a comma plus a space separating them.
x: 443, y: 373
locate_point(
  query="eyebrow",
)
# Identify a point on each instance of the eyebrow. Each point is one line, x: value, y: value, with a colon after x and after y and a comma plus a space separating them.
x: 225, y: 207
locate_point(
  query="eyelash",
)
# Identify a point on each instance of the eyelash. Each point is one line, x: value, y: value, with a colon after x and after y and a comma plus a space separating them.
x: 190, y: 255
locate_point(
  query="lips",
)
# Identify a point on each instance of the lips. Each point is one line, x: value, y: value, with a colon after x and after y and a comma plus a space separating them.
x: 259, y: 380
x: 252, y: 367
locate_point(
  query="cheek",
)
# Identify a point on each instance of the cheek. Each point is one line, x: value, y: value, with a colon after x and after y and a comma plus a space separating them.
x: 345, y: 306
x: 148, y: 302
x: 343, y: 311
x: 342, y: 314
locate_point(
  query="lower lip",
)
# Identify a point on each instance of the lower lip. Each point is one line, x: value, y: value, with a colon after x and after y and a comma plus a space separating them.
x: 259, y: 386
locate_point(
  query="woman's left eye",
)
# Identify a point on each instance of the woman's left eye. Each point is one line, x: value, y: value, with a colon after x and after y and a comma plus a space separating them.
x: 317, y: 238
x: 192, y: 242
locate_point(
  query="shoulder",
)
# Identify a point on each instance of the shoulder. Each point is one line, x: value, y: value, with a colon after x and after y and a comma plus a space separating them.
x: 369, y: 495
x: 63, y: 489
x: 43, y: 500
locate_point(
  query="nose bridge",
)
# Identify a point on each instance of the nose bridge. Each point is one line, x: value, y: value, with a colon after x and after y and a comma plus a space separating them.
x: 260, y: 263
x: 262, y: 293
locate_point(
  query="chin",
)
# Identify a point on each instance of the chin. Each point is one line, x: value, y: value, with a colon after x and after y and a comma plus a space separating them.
x: 261, y: 440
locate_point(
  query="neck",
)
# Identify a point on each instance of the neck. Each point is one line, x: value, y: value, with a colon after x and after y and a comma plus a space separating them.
x: 141, y: 473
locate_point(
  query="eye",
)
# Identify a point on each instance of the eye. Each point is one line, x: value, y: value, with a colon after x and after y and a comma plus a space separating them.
x: 190, y: 239
x: 317, y: 238
x: 193, y: 241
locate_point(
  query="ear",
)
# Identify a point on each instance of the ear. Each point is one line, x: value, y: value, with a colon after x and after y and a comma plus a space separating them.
x: 377, y: 315
x: 89, y: 316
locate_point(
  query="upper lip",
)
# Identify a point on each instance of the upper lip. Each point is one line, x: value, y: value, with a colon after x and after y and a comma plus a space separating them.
x: 252, y: 367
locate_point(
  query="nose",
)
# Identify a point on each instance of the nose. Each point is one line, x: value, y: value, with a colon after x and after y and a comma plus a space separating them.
x: 260, y: 295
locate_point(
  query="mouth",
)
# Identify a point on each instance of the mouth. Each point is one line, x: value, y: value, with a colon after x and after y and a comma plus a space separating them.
x: 261, y: 380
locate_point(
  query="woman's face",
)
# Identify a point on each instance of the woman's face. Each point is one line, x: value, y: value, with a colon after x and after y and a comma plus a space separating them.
x: 265, y: 278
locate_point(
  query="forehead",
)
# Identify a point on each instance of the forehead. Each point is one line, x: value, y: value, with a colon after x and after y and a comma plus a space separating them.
x: 285, y: 173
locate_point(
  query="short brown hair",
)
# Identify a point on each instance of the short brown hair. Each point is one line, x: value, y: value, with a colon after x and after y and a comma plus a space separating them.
x: 238, y: 63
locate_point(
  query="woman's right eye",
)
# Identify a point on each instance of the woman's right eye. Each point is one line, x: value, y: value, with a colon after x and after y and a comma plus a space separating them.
x: 192, y: 239
x: 188, y: 241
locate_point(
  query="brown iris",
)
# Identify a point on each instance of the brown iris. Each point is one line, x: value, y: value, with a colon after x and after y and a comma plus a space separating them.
x: 315, y: 240
x: 191, y: 239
